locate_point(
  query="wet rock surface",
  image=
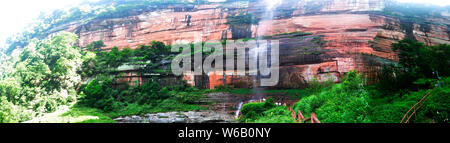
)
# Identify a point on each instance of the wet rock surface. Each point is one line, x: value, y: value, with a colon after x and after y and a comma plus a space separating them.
x: 222, y: 109
x: 180, y: 117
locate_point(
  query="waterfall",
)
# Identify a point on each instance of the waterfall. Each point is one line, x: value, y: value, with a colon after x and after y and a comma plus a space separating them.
x: 238, y: 111
x: 269, y: 13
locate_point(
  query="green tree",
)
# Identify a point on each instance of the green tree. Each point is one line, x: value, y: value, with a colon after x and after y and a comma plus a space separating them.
x: 48, y: 72
x: 417, y: 58
x: 100, y: 95
x: 95, y: 46
x: 10, y: 113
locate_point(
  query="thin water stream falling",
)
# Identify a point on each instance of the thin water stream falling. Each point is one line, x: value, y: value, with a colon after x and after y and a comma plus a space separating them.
x: 271, y: 6
x: 238, y: 112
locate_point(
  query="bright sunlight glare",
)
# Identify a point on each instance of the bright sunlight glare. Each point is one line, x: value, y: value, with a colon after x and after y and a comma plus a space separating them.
x: 17, y: 14
x: 434, y: 2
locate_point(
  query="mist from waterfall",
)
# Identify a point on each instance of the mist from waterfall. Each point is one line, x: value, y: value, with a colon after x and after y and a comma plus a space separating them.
x: 269, y: 12
x: 271, y: 6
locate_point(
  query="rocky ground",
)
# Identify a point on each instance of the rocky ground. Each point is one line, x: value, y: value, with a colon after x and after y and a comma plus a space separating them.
x: 181, y: 117
x: 222, y: 110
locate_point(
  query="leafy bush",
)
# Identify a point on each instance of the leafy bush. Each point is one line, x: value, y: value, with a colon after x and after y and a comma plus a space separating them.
x: 151, y: 93
x: 138, y: 100
x: 10, y: 89
x: 10, y: 113
x: 391, y: 109
x: 45, y: 75
x: 106, y: 94
x: 265, y: 112
x: 190, y: 97
x: 436, y: 107
x: 316, y: 86
x: 241, y: 19
x: 252, y: 111
x: 423, y: 61
x: 403, y: 85
x: 276, y: 115
x: 95, y: 46
x: 99, y: 95
x: 344, y: 103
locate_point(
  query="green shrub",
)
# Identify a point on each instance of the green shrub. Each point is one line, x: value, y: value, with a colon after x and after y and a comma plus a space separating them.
x: 276, y: 115
x: 10, y: 88
x: 253, y: 111
x: 189, y: 97
x: 10, y: 113
x: 47, y: 71
x: 137, y: 100
x: 150, y: 92
x: 242, y: 19
x: 99, y: 95
x: 95, y: 46
x: 436, y: 108
x: 343, y: 103
x: 390, y: 107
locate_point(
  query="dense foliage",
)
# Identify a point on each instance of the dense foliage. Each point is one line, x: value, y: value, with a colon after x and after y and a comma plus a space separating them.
x: 147, y: 98
x: 105, y: 93
x: 392, y: 107
x: 43, y: 78
x: 49, y: 74
x: 265, y: 112
x: 277, y: 114
x: 47, y: 71
x: 342, y: 103
x: 419, y: 66
x: 251, y: 111
x: 242, y: 19
x: 399, y: 88
x: 423, y: 60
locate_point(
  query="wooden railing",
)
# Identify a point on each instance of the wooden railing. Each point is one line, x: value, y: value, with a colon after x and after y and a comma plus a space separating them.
x: 299, y: 118
x: 413, y: 111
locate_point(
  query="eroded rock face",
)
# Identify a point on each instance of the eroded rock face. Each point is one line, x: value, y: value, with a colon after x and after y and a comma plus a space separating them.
x: 358, y: 36
x: 162, y: 25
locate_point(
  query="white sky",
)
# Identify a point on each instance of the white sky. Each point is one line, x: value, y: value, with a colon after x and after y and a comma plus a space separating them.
x: 17, y: 14
x: 435, y: 2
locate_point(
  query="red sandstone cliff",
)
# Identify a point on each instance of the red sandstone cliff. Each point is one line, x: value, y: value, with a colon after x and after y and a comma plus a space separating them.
x: 358, y: 35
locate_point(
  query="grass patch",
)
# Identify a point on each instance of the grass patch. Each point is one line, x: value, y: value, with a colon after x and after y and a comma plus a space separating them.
x: 295, y: 34
x: 87, y: 115
x: 75, y: 114
x: 168, y: 105
x: 242, y: 19
x: 319, y: 41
